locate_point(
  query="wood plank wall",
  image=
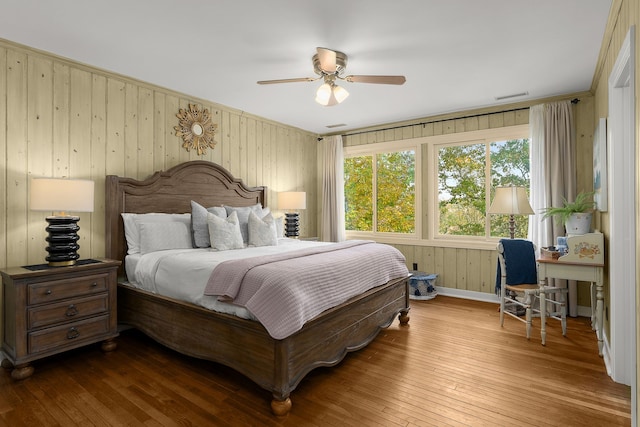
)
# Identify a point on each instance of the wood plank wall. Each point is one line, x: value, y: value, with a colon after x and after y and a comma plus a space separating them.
x: 67, y: 119
x: 475, y: 269
x: 623, y: 15
x: 64, y: 119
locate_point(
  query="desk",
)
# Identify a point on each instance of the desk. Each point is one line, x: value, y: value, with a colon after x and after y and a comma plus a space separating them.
x: 552, y: 268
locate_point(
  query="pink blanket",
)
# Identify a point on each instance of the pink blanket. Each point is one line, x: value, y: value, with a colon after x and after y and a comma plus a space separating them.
x: 284, y: 291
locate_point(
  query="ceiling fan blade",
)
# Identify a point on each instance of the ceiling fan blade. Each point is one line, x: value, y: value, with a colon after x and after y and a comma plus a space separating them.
x: 385, y: 80
x: 327, y: 59
x: 300, y: 79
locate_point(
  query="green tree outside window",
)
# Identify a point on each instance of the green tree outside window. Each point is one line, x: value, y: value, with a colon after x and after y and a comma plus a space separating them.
x: 462, y: 186
x: 393, y: 177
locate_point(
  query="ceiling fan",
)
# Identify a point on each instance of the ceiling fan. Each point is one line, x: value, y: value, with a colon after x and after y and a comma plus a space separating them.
x: 330, y: 65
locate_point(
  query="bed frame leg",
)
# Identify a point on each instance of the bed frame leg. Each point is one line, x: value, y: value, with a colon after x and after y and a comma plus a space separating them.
x: 22, y: 371
x: 109, y: 345
x: 404, y: 317
x: 281, y: 407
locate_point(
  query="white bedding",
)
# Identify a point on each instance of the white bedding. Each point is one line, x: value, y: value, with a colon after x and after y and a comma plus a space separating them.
x: 183, y: 273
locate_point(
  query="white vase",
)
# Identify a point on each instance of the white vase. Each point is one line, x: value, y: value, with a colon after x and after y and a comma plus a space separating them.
x: 578, y: 223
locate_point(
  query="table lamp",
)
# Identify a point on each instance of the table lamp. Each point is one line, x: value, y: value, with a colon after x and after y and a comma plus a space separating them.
x: 60, y: 196
x: 511, y: 200
x: 291, y: 202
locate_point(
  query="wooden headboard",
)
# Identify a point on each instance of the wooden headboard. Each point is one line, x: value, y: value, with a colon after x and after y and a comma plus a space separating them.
x: 171, y: 191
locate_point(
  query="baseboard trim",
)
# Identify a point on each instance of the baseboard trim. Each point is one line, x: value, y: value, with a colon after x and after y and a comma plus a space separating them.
x: 471, y: 295
x: 485, y: 297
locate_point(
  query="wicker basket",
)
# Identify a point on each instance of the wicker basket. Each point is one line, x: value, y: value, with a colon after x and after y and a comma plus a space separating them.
x: 550, y: 252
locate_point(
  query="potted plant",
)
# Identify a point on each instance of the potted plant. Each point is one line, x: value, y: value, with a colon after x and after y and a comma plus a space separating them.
x: 576, y: 215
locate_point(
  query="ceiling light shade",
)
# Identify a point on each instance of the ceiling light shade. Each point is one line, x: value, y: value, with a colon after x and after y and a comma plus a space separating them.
x: 340, y: 93
x: 323, y: 94
x: 330, y: 94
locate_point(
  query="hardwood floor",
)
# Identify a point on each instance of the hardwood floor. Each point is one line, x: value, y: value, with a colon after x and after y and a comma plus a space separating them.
x: 453, y: 366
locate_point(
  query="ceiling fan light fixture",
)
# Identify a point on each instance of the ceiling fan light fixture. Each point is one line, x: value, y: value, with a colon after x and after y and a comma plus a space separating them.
x: 330, y: 65
x: 330, y: 94
x: 323, y: 94
x: 340, y: 93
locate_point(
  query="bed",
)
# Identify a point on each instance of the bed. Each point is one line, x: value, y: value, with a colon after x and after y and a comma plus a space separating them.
x: 277, y: 365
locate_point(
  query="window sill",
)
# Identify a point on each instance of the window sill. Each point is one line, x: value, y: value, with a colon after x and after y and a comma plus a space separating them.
x: 462, y: 243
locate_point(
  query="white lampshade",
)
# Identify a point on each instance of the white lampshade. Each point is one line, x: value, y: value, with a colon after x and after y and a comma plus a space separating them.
x: 511, y: 200
x: 331, y: 94
x: 292, y: 200
x: 340, y: 93
x: 323, y: 94
x: 61, y: 195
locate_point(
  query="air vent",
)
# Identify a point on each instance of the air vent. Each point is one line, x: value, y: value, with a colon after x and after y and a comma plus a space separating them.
x: 515, y: 95
x: 336, y: 126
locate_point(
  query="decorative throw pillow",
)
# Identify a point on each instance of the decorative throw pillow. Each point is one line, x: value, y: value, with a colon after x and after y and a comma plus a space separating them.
x: 225, y: 232
x: 243, y: 217
x: 279, y: 225
x: 131, y: 226
x: 160, y: 236
x: 199, y: 225
x: 262, y: 232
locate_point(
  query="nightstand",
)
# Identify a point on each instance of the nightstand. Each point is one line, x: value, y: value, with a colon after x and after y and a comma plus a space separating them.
x: 48, y: 310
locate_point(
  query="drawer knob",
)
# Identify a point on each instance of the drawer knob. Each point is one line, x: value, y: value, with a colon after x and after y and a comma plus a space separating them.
x: 72, y: 310
x: 94, y: 284
x: 72, y: 333
x: 48, y: 292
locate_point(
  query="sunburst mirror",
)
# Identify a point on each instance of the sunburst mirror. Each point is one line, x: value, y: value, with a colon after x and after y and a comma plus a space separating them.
x: 196, y: 129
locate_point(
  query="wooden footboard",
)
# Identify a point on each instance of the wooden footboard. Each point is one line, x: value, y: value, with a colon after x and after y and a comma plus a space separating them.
x: 275, y: 365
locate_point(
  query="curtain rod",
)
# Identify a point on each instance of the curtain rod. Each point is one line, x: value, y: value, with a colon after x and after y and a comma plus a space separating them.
x: 573, y: 101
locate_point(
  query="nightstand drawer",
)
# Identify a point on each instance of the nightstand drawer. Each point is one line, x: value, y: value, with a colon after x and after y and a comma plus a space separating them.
x: 70, y: 334
x: 56, y: 290
x: 77, y: 308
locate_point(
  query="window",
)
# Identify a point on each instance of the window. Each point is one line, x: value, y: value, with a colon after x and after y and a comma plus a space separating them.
x: 461, y: 189
x: 380, y: 191
x: 435, y: 188
x: 467, y: 173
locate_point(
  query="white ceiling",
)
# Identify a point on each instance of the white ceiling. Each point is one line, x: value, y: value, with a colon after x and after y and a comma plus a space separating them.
x: 456, y: 54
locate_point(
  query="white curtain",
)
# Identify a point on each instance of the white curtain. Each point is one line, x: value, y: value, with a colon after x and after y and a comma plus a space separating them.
x: 553, y: 166
x: 560, y: 159
x: 332, y: 217
x: 538, y: 230
x: 553, y: 175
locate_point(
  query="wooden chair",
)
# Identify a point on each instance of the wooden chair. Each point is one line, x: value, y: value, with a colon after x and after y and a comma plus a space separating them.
x: 518, y: 284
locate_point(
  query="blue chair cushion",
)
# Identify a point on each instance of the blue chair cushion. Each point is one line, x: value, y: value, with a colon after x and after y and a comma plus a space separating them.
x: 520, y: 261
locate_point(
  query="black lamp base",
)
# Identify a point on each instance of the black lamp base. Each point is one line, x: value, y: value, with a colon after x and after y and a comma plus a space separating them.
x: 62, y: 239
x: 291, y: 224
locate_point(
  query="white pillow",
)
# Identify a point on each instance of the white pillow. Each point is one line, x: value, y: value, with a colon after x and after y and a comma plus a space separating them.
x: 279, y: 225
x: 160, y: 236
x: 243, y: 217
x: 278, y: 219
x: 262, y: 232
x: 199, y: 223
x: 225, y: 232
x: 131, y: 227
